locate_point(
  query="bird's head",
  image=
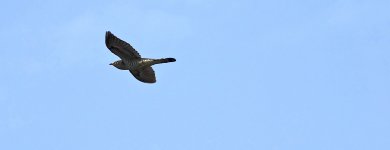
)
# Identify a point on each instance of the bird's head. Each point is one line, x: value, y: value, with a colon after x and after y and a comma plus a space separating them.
x: 119, y: 64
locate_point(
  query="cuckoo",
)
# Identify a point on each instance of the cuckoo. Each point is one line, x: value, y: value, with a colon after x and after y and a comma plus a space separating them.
x: 130, y: 59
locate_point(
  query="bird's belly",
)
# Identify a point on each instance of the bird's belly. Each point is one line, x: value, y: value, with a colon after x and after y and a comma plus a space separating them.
x: 123, y: 67
x: 133, y: 64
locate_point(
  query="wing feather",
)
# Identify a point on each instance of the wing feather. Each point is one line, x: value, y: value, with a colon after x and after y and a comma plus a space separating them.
x: 146, y: 75
x: 120, y: 48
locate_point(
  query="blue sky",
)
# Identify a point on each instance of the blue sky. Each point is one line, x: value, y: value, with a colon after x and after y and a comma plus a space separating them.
x: 250, y: 75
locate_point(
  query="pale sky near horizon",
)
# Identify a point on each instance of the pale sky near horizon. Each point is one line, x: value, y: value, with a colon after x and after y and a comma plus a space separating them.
x: 250, y: 75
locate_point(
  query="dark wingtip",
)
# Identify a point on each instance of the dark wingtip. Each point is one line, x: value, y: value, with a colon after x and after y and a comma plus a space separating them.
x: 171, y: 59
x: 107, y: 39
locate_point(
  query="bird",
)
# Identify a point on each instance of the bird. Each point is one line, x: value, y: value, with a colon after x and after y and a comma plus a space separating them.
x: 130, y: 59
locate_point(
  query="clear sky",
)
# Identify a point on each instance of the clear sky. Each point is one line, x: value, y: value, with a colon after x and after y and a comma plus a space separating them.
x: 249, y: 75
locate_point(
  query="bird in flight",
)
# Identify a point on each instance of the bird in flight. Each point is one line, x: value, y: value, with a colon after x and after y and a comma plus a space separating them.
x: 131, y: 60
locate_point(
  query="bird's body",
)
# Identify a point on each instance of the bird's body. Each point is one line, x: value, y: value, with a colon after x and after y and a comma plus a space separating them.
x: 138, y: 63
x: 131, y: 60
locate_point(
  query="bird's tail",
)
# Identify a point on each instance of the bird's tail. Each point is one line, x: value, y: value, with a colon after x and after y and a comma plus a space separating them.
x: 166, y: 60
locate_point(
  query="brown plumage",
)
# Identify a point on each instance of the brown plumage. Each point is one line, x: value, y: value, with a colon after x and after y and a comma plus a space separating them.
x: 131, y: 60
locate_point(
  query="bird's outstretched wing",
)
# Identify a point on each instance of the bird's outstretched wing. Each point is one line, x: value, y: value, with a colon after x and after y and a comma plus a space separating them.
x: 145, y: 74
x: 120, y: 48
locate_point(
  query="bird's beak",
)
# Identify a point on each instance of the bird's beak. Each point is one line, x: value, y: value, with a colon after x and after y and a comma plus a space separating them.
x: 110, y: 63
